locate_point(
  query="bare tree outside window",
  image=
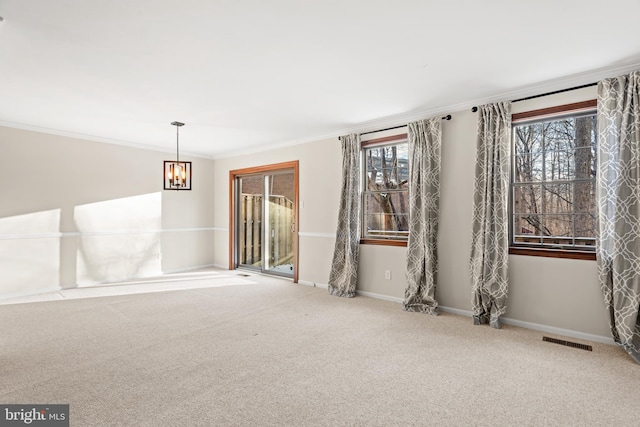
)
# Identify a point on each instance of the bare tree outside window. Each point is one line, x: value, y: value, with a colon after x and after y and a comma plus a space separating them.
x: 385, y: 197
x: 553, y: 185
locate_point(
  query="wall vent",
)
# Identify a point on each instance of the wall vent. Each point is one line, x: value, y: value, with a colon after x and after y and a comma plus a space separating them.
x: 568, y: 343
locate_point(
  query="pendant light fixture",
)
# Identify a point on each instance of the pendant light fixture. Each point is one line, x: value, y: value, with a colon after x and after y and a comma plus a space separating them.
x: 177, y: 174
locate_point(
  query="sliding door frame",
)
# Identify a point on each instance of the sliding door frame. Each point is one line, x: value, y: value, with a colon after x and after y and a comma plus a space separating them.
x: 233, y: 207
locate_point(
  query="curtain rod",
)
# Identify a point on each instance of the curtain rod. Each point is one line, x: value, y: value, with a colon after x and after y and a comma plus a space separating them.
x: 447, y: 117
x: 474, y: 109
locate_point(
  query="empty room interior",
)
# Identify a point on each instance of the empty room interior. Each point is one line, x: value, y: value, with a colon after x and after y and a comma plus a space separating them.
x: 320, y: 213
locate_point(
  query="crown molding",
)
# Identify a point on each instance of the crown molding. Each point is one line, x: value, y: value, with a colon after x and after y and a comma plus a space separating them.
x: 94, y: 138
x: 367, y: 126
x: 404, y: 118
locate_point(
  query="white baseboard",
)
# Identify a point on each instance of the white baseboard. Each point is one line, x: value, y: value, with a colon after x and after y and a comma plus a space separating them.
x: 380, y: 296
x: 465, y: 313
x: 10, y: 296
x: 538, y: 327
x: 162, y: 277
x: 507, y: 321
x: 189, y: 269
x: 312, y: 284
x: 559, y: 331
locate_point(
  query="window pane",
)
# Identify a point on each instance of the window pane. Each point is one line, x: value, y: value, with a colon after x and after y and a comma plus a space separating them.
x: 584, y: 197
x: 387, y: 167
x: 386, y: 214
x: 558, y: 145
x: 528, y: 153
x: 585, y: 167
x: 527, y: 198
x: 528, y: 168
x: 559, y: 226
x: 525, y: 229
x: 585, y: 226
x: 559, y: 165
x: 558, y: 198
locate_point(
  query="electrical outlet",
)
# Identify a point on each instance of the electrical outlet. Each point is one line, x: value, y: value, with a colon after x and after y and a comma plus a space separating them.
x: 387, y: 274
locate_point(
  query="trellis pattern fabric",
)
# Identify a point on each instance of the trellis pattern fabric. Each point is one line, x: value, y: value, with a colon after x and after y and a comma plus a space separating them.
x: 425, y: 139
x: 618, y: 196
x: 490, y: 236
x: 344, y: 268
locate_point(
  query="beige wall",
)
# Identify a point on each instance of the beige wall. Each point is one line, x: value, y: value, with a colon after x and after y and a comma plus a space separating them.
x: 319, y: 176
x: 77, y: 213
x: 555, y: 294
x: 565, y: 291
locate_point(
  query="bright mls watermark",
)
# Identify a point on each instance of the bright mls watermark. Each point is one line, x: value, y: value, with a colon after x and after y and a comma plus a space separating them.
x: 34, y: 415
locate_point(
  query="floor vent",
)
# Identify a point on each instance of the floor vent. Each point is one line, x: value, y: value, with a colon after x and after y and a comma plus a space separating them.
x: 568, y: 343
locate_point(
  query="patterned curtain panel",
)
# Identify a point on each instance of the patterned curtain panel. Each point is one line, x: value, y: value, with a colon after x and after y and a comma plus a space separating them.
x: 490, y: 237
x: 618, y: 195
x: 425, y: 138
x: 344, y: 269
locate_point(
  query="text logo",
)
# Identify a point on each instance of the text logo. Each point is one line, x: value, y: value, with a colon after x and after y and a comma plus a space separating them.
x: 34, y: 415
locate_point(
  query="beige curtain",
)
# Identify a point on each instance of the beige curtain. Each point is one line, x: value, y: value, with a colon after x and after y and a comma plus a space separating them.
x: 490, y: 237
x: 618, y: 196
x: 425, y: 139
x: 344, y: 268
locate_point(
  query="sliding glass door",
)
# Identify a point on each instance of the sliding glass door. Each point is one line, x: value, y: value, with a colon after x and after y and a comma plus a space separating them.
x: 250, y: 213
x: 265, y: 222
x: 279, y: 223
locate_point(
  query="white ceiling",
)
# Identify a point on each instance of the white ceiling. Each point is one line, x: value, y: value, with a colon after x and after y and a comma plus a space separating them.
x: 245, y: 75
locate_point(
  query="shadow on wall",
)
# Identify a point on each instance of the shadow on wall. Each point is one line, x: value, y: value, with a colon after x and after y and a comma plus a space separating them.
x: 119, y: 239
x: 115, y: 240
x: 29, y: 253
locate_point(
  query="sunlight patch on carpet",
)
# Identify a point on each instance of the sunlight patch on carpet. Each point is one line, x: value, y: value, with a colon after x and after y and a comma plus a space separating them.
x: 165, y: 283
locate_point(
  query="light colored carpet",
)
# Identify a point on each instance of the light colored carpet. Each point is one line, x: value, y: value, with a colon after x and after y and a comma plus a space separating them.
x: 273, y: 353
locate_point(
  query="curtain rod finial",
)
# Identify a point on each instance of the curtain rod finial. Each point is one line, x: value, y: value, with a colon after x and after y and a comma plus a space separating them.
x: 447, y: 117
x: 474, y: 109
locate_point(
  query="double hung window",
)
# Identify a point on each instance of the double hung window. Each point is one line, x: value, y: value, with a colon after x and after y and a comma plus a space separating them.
x: 553, y: 204
x: 385, y: 195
